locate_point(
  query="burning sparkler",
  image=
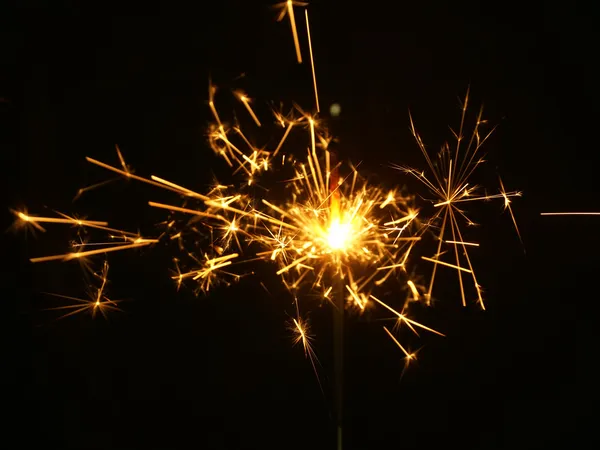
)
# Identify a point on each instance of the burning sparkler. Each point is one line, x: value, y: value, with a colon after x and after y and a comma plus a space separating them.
x: 330, y: 233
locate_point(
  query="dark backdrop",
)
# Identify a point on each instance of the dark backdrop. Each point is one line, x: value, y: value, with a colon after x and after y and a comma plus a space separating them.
x: 175, y: 371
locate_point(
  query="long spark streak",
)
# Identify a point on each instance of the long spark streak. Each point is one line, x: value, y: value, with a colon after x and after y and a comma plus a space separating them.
x: 34, y: 219
x: 78, y: 255
x: 290, y: 10
x: 403, y: 318
x: 312, y: 63
x: 453, y: 266
x: 570, y: 214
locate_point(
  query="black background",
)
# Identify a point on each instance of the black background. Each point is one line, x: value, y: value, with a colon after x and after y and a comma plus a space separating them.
x: 175, y: 371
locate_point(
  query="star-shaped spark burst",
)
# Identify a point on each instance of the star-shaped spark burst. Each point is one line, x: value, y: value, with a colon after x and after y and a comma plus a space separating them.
x: 449, y: 182
x: 318, y: 225
x: 97, y: 301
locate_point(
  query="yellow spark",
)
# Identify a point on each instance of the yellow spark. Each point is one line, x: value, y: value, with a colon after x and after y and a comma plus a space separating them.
x: 312, y: 63
x: 406, y: 353
x: 507, y: 202
x: 449, y: 182
x: 33, y: 219
x: 570, y: 214
x: 246, y: 102
x: 288, y: 8
x: 98, y: 302
x: 403, y: 317
x: 413, y: 288
x: 472, y: 244
x: 79, y: 255
x: 453, y: 266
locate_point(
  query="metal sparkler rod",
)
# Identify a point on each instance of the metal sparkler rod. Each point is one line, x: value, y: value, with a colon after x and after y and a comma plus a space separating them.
x: 338, y: 355
x: 338, y: 320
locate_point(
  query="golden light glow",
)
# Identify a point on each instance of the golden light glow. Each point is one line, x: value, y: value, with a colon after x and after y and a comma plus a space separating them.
x: 320, y: 227
x: 449, y: 183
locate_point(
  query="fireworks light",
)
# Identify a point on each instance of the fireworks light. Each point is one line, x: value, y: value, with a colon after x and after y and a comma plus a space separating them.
x: 331, y: 234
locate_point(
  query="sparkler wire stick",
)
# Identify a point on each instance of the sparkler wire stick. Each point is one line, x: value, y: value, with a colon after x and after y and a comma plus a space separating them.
x: 338, y: 317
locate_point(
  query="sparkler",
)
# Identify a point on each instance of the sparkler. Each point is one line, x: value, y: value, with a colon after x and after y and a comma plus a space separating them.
x: 450, y: 185
x: 331, y: 234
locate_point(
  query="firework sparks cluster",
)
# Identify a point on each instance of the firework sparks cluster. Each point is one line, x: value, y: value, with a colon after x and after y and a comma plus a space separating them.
x: 328, y: 233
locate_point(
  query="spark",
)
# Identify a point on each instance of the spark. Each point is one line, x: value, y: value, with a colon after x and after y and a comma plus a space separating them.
x: 246, y: 102
x: 301, y: 330
x: 570, y: 214
x: 449, y: 183
x: 288, y: 8
x: 97, y: 302
x: 507, y: 202
x: 35, y: 220
x: 312, y: 63
x: 320, y: 229
x: 140, y: 242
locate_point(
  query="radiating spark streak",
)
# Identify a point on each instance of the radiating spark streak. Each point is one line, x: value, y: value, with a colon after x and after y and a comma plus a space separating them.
x: 446, y: 264
x: 403, y: 318
x: 83, y: 190
x: 246, y: 102
x: 132, y: 176
x: 301, y: 336
x: 122, y: 160
x: 359, y: 302
x: 392, y: 266
x: 204, y: 272
x: 85, y: 305
x: 97, y: 301
x: 507, y: 202
x: 93, y: 244
x: 294, y: 264
x: 312, y: 63
x: 186, y: 210
x: 475, y: 283
x: 182, y: 190
x: 570, y: 214
x: 92, y: 224
x: 436, y: 261
x: 285, y: 135
x: 406, y: 353
x: 476, y: 199
x: 211, y: 103
x: 473, y: 244
x: 71, y: 221
x: 301, y: 331
x: 288, y: 7
x: 407, y: 218
x: 78, y: 255
x: 453, y: 227
x: 450, y: 184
